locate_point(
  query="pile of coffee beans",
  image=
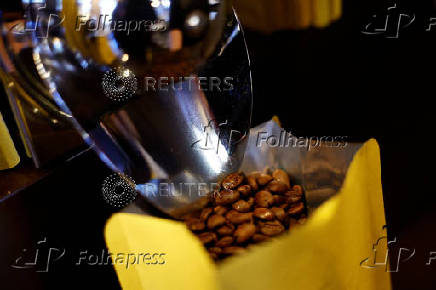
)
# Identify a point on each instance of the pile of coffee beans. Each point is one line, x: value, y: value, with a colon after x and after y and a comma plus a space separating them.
x: 247, y: 209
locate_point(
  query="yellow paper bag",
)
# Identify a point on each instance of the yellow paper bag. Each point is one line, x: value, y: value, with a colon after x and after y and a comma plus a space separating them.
x: 275, y: 15
x: 9, y: 157
x: 325, y: 253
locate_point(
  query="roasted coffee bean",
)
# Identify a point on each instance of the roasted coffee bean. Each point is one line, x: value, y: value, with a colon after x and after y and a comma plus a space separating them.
x: 226, y: 197
x: 220, y: 210
x: 263, y: 198
x: 244, y: 232
x: 212, y: 195
x: 286, y: 220
x: 247, y: 210
x: 215, y: 220
x: 195, y: 225
x: 277, y: 186
x: 244, y: 190
x: 257, y: 238
x: 297, y: 188
x: 226, y: 230
x: 205, y: 213
x: 232, y: 180
x: 241, y: 206
x: 207, y: 237
x: 224, y: 242
x: 271, y: 228
x: 263, y: 213
x: 281, y: 176
x: 250, y: 201
x: 293, y: 196
x: 215, y: 250
x: 233, y: 250
x: 263, y: 179
x: 284, y: 205
x: 296, y: 208
x: 251, y: 179
x: 237, y: 218
x: 279, y: 213
x: 279, y: 199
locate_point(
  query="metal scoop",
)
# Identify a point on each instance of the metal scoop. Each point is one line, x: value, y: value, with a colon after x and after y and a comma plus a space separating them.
x: 160, y: 89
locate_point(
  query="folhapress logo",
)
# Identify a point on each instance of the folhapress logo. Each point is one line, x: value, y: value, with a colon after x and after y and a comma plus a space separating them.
x: 394, y: 20
x: 390, y: 24
x: 38, y: 258
x: 38, y: 20
x: 218, y: 135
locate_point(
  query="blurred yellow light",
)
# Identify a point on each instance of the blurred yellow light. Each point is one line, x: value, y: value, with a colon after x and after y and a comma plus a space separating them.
x: 155, y: 3
x: 126, y: 73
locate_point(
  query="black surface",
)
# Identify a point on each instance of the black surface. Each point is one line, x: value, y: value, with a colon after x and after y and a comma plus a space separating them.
x: 65, y: 209
x: 340, y: 82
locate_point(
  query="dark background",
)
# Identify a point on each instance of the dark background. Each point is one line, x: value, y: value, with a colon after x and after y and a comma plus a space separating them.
x: 340, y: 82
x: 330, y: 82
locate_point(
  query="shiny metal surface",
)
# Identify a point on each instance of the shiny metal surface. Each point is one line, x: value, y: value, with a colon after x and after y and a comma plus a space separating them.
x: 37, y: 116
x: 129, y: 73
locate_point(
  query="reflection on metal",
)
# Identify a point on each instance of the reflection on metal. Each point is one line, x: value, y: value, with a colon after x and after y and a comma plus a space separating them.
x: 161, y: 40
x: 36, y: 113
